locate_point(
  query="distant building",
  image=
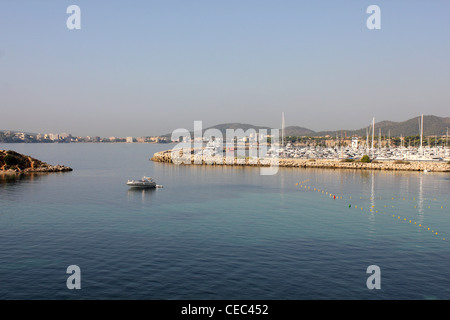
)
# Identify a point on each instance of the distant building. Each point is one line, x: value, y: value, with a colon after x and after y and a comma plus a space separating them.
x: 20, y: 135
x: 53, y: 136
x: 129, y: 139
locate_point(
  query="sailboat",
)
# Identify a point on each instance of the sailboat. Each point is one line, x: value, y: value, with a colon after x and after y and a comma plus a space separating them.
x: 420, y: 156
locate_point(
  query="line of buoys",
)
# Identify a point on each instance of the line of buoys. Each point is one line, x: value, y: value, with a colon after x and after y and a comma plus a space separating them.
x: 414, y: 199
x: 308, y: 187
x: 372, y: 207
x: 361, y: 198
x: 419, y: 225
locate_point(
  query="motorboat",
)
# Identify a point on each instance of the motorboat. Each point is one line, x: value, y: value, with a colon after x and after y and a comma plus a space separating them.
x: 145, y: 182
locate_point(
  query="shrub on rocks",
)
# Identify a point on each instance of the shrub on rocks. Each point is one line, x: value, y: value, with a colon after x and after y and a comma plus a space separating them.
x: 365, y: 159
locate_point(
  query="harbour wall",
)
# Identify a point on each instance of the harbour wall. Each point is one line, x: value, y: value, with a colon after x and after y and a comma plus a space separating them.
x: 434, y: 166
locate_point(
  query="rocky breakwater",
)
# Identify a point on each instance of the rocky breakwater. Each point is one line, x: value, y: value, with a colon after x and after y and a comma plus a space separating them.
x: 166, y: 157
x: 12, y: 162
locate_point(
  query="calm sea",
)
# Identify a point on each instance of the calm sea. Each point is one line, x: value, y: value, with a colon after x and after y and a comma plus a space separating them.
x: 218, y: 232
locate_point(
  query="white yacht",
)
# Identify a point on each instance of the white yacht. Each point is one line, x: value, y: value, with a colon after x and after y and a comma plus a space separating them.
x: 145, y: 182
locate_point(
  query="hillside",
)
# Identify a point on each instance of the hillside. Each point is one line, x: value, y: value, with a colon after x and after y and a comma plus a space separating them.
x: 433, y: 125
x: 298, y: 131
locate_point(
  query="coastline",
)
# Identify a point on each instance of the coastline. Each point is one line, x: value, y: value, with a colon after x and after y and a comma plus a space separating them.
x: 49, y: 169
x: 433, y: 166
x: 23, y: 164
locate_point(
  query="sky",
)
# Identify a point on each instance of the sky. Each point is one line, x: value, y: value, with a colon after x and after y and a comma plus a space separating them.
x: 141, y: 68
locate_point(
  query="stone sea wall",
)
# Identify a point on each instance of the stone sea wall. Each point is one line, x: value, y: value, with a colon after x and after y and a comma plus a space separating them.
x: 166, y: 157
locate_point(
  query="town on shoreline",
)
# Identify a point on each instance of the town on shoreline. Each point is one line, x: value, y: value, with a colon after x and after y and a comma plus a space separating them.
x: 23, y: 137
x: 296, y: 141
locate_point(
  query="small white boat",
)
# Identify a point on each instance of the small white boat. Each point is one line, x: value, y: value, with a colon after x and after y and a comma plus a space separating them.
x: 145, y: 182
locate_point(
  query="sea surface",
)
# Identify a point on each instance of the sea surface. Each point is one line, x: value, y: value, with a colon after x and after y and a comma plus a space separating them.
x: 218, y: 232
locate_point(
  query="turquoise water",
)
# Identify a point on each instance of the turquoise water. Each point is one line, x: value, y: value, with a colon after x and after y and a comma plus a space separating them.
x: 218, y: 232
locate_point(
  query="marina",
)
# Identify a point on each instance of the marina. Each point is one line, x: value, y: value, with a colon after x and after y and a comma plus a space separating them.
x: 379, y: 154
x: 359, y: 147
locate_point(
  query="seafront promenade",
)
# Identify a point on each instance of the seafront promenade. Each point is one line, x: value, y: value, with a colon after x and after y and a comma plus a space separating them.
x: 432, y: 166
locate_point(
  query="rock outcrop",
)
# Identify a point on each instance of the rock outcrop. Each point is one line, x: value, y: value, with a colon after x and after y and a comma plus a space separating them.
x: 13, y: 162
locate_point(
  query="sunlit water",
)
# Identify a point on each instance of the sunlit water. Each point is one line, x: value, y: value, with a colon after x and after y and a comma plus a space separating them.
x: 218, y: 232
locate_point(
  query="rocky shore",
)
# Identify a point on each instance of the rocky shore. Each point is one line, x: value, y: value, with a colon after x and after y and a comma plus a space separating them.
x: 166, y: 157
x: 12, y: 162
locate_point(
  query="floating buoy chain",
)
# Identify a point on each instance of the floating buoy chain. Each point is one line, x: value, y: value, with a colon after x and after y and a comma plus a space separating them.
x: 372, y: 208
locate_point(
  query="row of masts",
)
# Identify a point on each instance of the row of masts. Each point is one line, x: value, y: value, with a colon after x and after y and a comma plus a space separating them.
x: 372, y: 128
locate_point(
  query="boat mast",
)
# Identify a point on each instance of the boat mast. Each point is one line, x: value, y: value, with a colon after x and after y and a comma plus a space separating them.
x: 446, y: 141
x: 373, y: 132
x: 367, y: 140
x: 389, y: 138
x: 282, y: 128
x: 421, y: 134
x: 379, y: 138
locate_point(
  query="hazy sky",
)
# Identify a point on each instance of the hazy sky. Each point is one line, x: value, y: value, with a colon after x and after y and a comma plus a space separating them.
x: 147, y: 67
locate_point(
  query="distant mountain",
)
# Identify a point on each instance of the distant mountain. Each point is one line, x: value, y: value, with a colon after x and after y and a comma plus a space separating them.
x: 298, y: 131
x: 432, y: 125
x: 289, y: 131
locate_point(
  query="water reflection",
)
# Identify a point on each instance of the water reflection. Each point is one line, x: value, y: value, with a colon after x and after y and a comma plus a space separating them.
x: 372, y: 193
x: 372, y: 229
x: 420, y: 199
x: 15, y: 178
x: 142, y: 194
